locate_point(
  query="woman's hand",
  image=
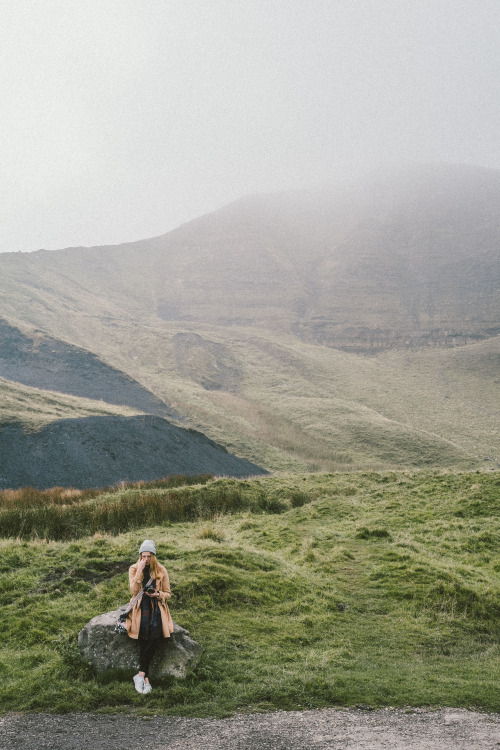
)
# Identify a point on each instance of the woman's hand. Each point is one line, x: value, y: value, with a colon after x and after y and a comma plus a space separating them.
x: 141, y: 564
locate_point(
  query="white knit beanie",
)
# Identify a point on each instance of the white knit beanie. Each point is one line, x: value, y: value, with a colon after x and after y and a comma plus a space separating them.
x: 147, y: 546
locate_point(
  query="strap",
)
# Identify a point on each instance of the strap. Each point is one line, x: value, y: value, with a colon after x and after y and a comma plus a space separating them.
x: 136, y: 598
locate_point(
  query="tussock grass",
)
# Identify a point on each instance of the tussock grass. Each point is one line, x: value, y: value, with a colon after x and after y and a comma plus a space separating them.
x: 379, y: 588
x: 61, y: 513
x: 30, y: 497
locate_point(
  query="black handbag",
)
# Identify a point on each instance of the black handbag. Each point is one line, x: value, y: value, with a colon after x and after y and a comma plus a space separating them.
x: 120, y: 626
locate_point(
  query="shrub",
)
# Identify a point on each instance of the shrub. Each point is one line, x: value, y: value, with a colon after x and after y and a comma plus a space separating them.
x: 209, y: 532
x: 270, y: 504
x: 375, y: 533
x: 298, y: 498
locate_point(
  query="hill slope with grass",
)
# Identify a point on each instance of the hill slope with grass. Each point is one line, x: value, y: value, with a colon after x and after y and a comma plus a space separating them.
x: 375, y: 588
x: 287, y: 405
x: 304, y: 331
x: 33, y: 408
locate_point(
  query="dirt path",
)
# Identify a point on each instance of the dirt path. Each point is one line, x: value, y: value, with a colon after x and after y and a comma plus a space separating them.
x: 329, y: 729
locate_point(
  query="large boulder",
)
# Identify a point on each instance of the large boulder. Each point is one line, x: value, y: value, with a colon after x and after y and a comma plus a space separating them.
x: 104, y: 649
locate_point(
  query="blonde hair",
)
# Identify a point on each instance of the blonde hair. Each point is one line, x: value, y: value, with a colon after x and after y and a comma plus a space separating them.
x: 153, y: 567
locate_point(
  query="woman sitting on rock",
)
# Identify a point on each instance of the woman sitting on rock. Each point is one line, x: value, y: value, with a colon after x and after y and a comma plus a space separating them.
x: 149, y: 618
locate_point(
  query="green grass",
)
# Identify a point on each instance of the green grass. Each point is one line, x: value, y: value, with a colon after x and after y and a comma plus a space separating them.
x: 71, y: 514
x: 379, y: 588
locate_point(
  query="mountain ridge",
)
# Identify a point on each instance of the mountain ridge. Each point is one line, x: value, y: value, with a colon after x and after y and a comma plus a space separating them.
x: 408, y: 264
x: 34, y: 359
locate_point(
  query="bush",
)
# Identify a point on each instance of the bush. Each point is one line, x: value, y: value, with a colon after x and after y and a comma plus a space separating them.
x: 270, y: 504
x: 375, y: 533
x: 298, y: 499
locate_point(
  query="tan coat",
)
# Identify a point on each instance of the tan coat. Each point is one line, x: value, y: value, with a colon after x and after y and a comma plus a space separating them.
x: 163, y: 586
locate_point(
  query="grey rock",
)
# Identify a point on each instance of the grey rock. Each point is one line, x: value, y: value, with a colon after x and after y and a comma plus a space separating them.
x: 99, y: 645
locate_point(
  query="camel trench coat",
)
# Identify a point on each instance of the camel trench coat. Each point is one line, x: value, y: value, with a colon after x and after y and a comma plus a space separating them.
x: 162, y: 583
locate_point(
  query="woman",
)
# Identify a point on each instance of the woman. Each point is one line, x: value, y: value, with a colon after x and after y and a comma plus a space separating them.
x: 149, y: 619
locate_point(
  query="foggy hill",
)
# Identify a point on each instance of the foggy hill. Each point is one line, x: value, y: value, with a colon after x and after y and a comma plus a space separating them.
x: 100, y: 451
x: 41, y: 361
x: 225, y: 319
x: 410, y: 259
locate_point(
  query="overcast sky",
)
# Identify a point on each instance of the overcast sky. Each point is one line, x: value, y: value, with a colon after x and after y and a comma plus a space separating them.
x: 121, y: 119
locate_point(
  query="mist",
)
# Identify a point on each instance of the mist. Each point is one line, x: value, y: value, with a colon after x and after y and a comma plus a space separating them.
x: 122, y: 120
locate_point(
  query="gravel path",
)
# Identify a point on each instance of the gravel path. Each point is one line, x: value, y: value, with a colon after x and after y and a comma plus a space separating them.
x: 332, y: 729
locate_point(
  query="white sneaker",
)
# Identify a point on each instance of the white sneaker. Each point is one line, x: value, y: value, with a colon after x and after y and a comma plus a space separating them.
x: 147, y: 688
x: 139, y: 683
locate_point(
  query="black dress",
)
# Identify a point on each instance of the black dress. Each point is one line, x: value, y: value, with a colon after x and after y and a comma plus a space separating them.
x: 150, y: 629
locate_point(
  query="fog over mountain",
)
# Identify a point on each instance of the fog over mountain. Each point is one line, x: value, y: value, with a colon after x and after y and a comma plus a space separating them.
x: 411, y: 260
x: 122, y: 120
x: 300, y: 330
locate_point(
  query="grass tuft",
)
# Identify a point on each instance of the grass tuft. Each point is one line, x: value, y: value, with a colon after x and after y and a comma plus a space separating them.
x: 376, y: 533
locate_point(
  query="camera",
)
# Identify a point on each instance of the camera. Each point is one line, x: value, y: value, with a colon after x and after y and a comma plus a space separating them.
x: 150, y: 588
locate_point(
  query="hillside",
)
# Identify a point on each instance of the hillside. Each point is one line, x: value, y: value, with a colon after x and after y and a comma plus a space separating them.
x: 35, y: 359
x: 101, y: 451
x: 304, y: 591
x: 303, y: 331
x: 33, y: 408
x: 287, y: 405
x: 411, y: 259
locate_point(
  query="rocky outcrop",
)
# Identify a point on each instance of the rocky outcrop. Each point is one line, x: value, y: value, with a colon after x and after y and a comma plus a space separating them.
x: 99, y: 645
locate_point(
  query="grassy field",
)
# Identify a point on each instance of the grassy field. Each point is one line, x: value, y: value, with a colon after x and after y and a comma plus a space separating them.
x: 377, y: 588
